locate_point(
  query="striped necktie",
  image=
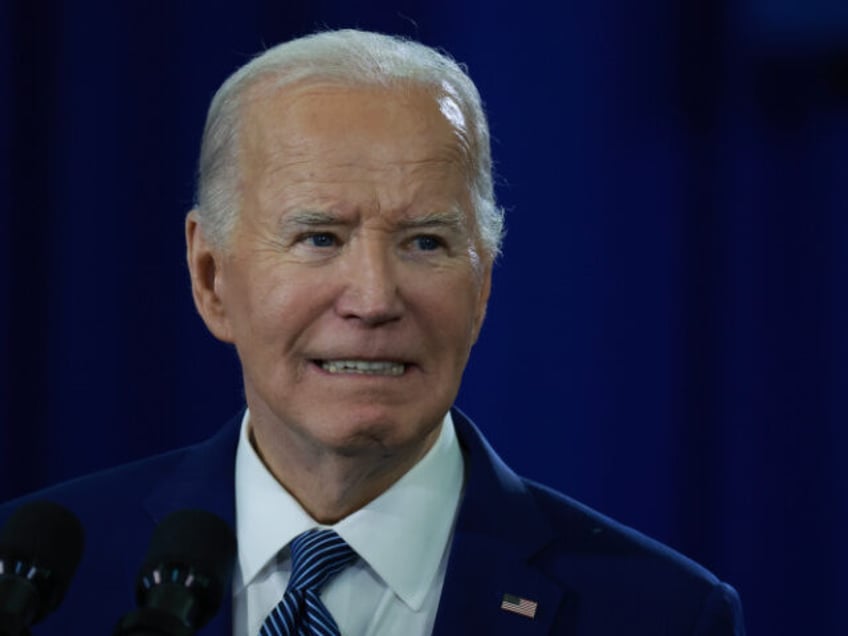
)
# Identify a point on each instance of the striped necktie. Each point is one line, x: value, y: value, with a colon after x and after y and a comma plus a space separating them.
x: 317, y: 556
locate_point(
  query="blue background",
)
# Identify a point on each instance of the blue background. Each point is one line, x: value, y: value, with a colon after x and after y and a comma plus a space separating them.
x: 668, y: 333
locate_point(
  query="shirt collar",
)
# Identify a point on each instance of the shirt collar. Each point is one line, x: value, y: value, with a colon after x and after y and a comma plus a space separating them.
x: 267, y: 516
x: 402, y: 535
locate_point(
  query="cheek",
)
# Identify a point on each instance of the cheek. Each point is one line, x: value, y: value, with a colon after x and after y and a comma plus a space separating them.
x: 452, y: 307
x: 288, y: 309
x: 256, y: 303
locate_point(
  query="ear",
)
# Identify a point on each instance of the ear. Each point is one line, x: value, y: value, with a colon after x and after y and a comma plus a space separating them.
x: 482, y: 300
x: 205, y: 265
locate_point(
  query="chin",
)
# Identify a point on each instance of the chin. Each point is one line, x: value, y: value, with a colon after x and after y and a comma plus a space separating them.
x: 370, y: 428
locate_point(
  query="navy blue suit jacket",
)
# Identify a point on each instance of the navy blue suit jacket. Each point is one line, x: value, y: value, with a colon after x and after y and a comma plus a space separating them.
x: 589, y: 575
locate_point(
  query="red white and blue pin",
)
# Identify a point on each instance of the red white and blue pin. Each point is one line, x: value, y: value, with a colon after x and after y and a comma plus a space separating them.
x: 518, y: 605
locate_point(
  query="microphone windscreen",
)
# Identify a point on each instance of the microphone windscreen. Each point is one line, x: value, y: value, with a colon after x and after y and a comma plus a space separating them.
x: 200, y: 541
x: 48, y: 537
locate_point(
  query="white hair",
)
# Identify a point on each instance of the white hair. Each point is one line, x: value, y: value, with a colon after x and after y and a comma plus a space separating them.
x: 346, y: 57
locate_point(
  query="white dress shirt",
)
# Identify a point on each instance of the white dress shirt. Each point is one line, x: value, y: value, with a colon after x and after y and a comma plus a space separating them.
x: 402, y: 538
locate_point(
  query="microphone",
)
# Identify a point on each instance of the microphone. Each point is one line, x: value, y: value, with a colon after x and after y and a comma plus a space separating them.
x: 40, y: 548
x: 181, y: 584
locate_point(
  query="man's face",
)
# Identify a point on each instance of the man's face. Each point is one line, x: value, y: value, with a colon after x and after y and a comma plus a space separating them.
x: 354, y: 286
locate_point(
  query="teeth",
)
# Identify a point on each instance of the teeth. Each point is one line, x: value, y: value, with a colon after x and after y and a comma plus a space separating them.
x: 364, y: 367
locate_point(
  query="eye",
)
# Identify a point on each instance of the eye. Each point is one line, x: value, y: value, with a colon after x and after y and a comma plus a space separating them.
x: 320, y: 239
x: 428, y: 243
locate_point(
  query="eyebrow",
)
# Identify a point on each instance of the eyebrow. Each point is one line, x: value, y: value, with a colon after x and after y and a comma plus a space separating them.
x: 310, y: 218
x: 452, y: 219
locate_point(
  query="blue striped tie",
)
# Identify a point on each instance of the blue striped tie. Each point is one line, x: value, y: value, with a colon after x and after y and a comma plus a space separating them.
x: 317, y: 555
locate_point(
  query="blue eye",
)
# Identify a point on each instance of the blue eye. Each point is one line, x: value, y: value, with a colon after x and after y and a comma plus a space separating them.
x: 321, y: 239
x: 428, y: 243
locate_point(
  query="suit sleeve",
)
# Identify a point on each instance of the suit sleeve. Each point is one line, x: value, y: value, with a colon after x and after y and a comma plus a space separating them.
x: 721, y: 614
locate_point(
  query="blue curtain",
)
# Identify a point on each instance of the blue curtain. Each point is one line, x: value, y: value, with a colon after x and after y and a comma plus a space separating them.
x: 668, y: 334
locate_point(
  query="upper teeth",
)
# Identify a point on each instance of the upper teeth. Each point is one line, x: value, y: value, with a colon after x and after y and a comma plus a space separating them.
x: 363, y: 366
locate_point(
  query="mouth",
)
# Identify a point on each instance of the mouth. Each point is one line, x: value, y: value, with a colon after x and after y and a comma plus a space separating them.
x: 362, y: 367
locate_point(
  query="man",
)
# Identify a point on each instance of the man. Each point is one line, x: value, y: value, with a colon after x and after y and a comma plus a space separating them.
x: 343, y: 241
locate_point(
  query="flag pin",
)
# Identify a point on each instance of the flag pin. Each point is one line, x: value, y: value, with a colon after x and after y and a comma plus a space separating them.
x: 518, y: 605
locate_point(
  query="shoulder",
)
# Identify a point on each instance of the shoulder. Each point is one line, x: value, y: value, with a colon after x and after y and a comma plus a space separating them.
x: 106, y: 489
x: 611, y: 565
x: 579, y: 528
x: 612, y: 578
x: 118, y: 509
x: 183, y: 471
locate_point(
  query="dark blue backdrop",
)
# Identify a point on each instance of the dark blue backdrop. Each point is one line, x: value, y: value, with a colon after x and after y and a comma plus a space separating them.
x: 668, y: 333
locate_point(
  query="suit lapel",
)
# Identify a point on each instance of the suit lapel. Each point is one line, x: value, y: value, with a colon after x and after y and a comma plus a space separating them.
x: 499, y: 530
x: 481, y: 571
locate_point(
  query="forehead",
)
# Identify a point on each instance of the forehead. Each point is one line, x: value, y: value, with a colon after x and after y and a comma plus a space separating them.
x: 319, y: 129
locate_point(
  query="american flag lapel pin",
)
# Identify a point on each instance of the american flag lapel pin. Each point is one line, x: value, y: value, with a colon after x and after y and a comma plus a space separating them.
x: 518, y: 605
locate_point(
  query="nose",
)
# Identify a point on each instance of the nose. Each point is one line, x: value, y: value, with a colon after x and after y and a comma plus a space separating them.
x: 370, y: 291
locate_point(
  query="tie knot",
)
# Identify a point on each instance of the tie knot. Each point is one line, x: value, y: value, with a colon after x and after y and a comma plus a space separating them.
x: 317, y: 555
